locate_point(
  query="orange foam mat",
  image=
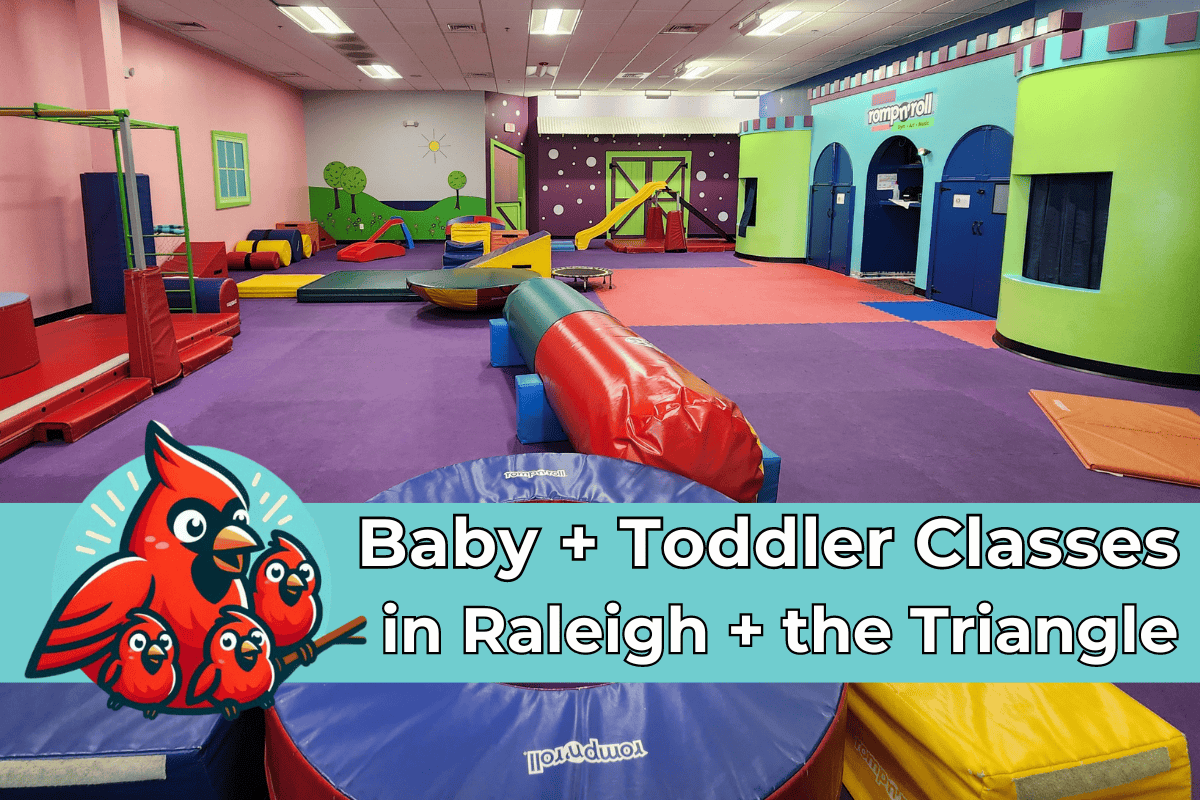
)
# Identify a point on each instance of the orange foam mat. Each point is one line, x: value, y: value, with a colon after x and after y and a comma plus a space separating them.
x: 974, y: 331
x: 765, y: 294
x: 1141, y: 440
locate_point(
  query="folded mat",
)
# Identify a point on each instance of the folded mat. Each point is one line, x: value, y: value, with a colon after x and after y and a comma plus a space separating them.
x: 1143, y: 440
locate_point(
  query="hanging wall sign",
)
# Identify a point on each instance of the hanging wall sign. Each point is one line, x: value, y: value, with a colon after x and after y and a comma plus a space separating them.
x: 888, y: 112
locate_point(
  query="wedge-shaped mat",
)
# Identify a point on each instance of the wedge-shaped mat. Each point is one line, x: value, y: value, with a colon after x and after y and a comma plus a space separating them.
x: 921, y: 311
x: 275, y: 285
x: 531, y: 252
x: 1142, y: 440
x: 1010, y: 741
x: 360, y: 286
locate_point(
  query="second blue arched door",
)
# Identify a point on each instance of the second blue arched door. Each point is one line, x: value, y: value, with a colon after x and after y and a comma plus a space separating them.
x: 969, y: 221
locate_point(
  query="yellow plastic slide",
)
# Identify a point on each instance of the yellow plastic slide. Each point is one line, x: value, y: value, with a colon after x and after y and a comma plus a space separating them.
x: 617, y: 214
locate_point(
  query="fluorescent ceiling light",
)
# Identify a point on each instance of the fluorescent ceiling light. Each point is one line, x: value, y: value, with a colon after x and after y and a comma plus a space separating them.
x: 568, y: 94
x: 745, y: 94
x: 658, y: 94
x: 380, y: 72
x: 772, y: 26
x: 694, y: 71
x: 553, y: 21
x: 316, y: 19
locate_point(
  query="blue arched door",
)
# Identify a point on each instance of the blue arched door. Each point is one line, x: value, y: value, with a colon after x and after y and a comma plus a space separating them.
x: 831, y: 210
x: 969, y: 221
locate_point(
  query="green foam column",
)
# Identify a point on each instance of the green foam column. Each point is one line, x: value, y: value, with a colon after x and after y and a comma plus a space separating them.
x: 779, y: 160
x: 1138, y: 119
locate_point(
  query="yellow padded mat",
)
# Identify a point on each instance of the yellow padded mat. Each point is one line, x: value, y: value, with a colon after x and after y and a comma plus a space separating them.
x: 1144, y: 440
x: 274, y: 285
x: 1010, y: 741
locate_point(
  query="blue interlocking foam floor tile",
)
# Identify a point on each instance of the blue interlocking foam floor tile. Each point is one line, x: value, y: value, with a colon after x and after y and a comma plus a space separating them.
x: 926, y: 311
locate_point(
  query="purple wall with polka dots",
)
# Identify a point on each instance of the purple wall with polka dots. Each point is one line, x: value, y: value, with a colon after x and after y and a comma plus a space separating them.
x: 571, y: 173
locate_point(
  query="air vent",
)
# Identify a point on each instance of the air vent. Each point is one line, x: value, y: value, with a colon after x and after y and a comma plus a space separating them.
x: 479, y: 75
x: 184, y: 26
x: 288, y: 75
x: 684, y: 27
x: 463, y: 27
x: 634, y: 75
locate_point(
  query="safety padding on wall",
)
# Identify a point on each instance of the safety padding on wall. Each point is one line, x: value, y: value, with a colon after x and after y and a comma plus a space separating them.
x: 284, y: 249
x: 153, y: 352
x: 532, y: 252
x: 1010, y: 741
x: 472, y: 232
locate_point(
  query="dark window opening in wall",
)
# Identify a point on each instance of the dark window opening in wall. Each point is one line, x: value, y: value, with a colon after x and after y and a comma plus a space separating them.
x: 1068, y: 222
x: 749, y: 205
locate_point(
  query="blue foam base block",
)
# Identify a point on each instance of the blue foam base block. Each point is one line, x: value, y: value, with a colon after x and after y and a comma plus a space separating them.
x: 560, y: 245
x: 60, y: 741
x: 504, y: 352
x: 770, y: 488
x: 925, y: 310
x: 536, y: 421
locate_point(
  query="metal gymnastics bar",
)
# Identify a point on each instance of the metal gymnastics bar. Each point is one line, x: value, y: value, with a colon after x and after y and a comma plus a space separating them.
x: 119, y: 122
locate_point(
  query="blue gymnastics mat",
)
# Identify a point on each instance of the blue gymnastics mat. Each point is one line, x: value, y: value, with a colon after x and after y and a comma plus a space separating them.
x: 925, y: 310
x: 60, y: 741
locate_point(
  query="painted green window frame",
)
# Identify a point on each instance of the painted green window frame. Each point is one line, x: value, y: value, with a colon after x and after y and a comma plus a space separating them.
x: 236, y: 171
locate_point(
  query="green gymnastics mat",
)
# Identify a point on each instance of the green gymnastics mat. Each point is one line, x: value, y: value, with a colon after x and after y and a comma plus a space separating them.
x: 360, y: 286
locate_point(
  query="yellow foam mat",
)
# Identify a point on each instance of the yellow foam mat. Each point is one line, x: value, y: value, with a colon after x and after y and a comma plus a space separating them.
x: 472, y: 232
x: 1010, y: 741
x: 531, y: 252
x: 274, y: 285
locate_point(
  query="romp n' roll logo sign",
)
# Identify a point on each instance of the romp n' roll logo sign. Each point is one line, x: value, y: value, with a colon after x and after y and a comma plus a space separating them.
x: 196, y: 612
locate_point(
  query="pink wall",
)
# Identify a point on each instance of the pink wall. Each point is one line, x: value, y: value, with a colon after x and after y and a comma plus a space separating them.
x: 41, y: 222
x: 176, y: 83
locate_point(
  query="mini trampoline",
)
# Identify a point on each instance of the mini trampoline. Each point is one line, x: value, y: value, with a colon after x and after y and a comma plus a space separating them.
x: 550, y: 477
x: 468, y: 288
x: 580, y: 741
x: 61, y: 741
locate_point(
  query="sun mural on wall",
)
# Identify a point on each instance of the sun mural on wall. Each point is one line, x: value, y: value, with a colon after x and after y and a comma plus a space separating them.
x: 437, y: 145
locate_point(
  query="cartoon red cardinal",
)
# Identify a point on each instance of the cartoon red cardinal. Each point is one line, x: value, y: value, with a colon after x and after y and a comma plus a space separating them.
x: 140, y: 669
x: 185, y: 554
x: 286, y: 581
x: 237, y: 672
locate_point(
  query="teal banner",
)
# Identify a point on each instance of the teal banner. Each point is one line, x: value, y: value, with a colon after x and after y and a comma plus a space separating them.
x: 575, y: 592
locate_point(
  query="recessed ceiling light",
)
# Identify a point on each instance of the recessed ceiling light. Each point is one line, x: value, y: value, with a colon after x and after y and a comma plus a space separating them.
x: 568, y: 94
x: 553, y: 21
x: 380, y: 72
x: 745, y: 94
x: 658, y: 94
x: 690, y: 72
x: 316, y: 19
x: 774, y: 26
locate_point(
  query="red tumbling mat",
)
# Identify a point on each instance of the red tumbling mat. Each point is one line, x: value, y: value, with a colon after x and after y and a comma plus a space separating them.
x: 20, y: 349
x: 636, y: 245
x: 654, y: 741
x: 153, y: 353
x: 263, y: 260
x: 1141, y: 440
